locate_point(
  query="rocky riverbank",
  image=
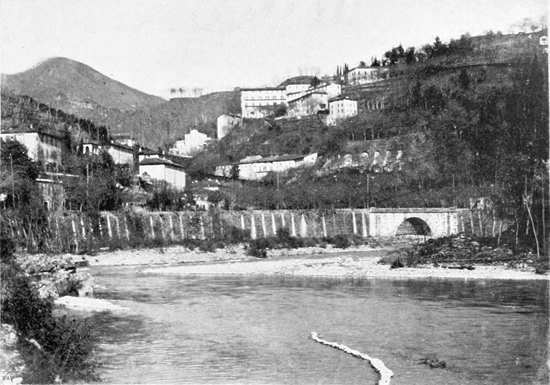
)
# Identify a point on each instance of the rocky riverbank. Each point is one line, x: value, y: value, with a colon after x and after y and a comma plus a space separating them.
x: 464, y: 252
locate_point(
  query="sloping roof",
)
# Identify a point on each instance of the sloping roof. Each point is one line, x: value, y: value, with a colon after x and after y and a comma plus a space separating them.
x: 159, y: 162
x: 341, y: 97
x: 307, y: 94
x: 263, y: 89
x: 275, y: 158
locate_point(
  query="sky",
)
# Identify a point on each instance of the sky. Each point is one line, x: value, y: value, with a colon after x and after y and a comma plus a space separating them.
x: 153, y: 45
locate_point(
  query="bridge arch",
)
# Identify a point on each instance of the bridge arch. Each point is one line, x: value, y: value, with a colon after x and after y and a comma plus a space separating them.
x: 413, y: 226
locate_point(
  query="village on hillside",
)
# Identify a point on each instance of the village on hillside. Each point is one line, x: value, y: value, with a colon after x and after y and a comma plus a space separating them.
x: 290, y: 192
x: 330, y: 100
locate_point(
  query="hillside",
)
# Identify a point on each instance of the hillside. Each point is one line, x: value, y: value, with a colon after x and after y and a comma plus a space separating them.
x: 469, y: 123
x: 77, y: 88
x: 163, y: 123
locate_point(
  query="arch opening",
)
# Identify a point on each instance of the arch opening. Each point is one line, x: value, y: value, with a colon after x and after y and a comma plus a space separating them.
x: 414, y: 226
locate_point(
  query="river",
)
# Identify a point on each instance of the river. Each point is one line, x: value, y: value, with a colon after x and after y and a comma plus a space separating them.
x: 255, y: 330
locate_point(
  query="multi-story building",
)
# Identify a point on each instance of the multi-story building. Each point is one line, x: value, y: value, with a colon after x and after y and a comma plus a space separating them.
x: 364, y: 75
x: 341, y: 108
x: 44, y: 147
x: 259, y: 102
x: 162, y: 169
x: 225, y: 124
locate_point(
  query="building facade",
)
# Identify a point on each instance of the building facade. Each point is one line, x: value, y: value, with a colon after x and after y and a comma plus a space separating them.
x: 257, y: 167
x: 120, y: 153
x: 364, y: 75
x: 258, y: 103
x: 341, y: 108
x: 43, y: 147
x: 163, y: 170
x: 307, y: 104
x: 225, y: 124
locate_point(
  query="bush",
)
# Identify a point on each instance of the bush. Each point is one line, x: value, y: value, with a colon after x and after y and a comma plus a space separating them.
x: 258, y: 248
x: 340, y: 241
x: 50, y: 346
x: 207, y: 246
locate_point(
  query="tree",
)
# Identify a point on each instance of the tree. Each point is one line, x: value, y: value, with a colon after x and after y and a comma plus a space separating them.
x: 410, y: 56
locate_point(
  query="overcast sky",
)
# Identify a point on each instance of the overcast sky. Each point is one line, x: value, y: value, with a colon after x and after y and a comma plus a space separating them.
x: 156, y: 44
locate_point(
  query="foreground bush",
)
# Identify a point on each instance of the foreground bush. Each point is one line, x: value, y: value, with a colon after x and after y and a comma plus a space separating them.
x: 51, y: 347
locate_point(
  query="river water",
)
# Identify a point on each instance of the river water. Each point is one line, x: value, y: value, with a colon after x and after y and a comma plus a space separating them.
x: 255, y: 330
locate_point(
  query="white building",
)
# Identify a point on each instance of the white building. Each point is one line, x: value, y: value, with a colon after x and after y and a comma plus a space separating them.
x: 259, y: 102
x: 307, y: 104
x: 225, y: 124
x: 120, y: 153
x: 41, y: 146
x: 365, y: 75
x: 192, y: 143
x: 341, y: 108
x: 163, y: 170
x: 257, y: 167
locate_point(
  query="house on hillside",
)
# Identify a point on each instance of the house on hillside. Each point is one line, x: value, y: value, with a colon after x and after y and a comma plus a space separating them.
x: 162, y: 169
x: 225, y: 124
x: 44, y: 147
x: 193, y: 142
x: 258, y: 103
x: 310, y: 103
x: 364, y: 75
x: 120, y: 153
x: 257, y: 167
x: 341, y: 107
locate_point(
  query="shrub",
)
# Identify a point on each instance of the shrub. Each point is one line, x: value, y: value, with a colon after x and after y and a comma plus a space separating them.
x: 340, y: 241
x: 258, y: 248
x: 207, y: 246
x: 49, y: 346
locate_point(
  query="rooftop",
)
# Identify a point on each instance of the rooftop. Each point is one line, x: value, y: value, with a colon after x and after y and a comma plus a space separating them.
x: 160, y: 162
x: 273, y: 158
x: 263, y: 89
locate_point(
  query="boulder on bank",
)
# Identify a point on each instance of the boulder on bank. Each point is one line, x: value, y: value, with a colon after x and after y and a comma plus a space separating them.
x: 56, y: 275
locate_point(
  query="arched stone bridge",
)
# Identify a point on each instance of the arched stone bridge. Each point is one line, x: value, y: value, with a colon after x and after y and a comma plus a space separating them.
x: 434, y: 222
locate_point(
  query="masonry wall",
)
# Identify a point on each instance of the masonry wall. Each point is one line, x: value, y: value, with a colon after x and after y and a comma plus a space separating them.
x: 75, y: 231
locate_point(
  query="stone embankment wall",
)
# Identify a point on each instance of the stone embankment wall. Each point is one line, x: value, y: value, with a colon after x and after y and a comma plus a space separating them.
x: 76, y: 232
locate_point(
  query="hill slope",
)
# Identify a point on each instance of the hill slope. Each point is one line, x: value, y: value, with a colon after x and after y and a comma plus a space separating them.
x: 78, y: 89
x: 163, y: 123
